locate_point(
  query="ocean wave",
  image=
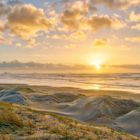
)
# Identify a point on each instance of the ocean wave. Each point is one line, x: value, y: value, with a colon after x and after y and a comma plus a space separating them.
x: 110, y: 81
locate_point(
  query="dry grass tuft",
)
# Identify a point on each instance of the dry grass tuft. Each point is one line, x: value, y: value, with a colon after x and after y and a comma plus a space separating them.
x: 10, y: 117
x: 6, y: 137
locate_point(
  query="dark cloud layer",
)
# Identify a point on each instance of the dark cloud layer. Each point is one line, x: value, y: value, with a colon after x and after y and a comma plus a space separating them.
x: 51, y: 66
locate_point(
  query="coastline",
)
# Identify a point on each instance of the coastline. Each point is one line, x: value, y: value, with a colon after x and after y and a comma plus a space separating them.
x: 87, y: 92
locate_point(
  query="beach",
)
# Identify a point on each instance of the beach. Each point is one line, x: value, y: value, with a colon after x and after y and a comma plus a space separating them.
x: 97, y: 81
x: 114, y: 109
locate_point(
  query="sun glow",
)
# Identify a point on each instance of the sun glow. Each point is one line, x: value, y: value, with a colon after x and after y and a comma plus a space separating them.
x: 97, y: 63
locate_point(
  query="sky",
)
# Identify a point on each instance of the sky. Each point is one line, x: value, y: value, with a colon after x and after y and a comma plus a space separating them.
x: 85, y: 32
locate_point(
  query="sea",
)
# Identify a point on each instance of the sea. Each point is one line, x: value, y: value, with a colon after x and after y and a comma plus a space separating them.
x: 116, y: 81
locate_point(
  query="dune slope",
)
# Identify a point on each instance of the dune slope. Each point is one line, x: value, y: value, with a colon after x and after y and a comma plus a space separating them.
x: 130, y: 122
x: 12, y: 96
x: 99, y: 109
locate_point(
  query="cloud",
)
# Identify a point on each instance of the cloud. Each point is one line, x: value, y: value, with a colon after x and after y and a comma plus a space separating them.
x: 70, y: 46
x: 1, y: 39
x: 25, y: 20
x: 6, y: 6
x: 4, y: 9
x: 77, y: 16
x: 74, y: 36
x: 133, y: 39
x: 1, y: 26
x: 79, y: 35
x: 55, y: 67
x: 133, y: 3
x: 134, y: 17
x: 97, y: 23
x: 113, y: 4
x: 74, y: 14
x: 58, y: 36
x: 132, y: 67
x: 136, y: 27
x: 99, y: 42
x: 18, y: 44
x: 100, y: 22
x: 118, y: 23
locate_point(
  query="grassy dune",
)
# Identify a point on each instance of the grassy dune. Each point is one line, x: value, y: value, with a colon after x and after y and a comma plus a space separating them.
x: 36, y: 113
x: 22, y: 123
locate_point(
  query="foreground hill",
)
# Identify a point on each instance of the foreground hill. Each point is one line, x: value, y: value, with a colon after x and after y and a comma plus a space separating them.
x: 22, y: 123
x: 32, y: 112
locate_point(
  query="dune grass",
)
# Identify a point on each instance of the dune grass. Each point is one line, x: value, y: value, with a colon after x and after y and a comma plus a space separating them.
x: 6, y: 137
x: 74, y: 130
x: 24, y: 122
x: 13, y: 121
x: 10, y: 117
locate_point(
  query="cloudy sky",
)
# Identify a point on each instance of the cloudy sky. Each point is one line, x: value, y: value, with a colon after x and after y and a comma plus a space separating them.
x: 70, y: 31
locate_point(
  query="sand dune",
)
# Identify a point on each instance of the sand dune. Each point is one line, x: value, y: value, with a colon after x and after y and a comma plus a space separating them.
x: 130, y: 122
x: 54, y: 98
x: 117, y: 113
x: 99, y: 109
x: 12, y: 96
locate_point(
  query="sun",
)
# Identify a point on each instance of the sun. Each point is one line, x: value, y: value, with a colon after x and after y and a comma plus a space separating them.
x: 97, y: 64
x: 97, y: 61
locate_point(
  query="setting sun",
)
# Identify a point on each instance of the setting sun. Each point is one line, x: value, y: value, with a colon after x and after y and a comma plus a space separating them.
x: 97, y: 64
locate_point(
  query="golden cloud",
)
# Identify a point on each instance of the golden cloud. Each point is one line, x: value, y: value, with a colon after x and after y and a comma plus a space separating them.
x: 133, y: 2
x: 1, y: 25
x: 97, y: 23
x: 136, y: 27
x: 26, y: 20
x: 75, y: 18
x: 1, y: 39
x: 74, y: 36
x: 99, y: 42
x: 79, y: 35
x: 134, y: 17
x: 100, y: 22
x: 74, y: 13
x: 18, y: 44
x: 133, y: 39
x: 70, y: 46
x: 114, y: 4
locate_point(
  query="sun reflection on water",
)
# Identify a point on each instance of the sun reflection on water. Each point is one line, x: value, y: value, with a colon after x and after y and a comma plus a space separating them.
x: 96, y: 87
